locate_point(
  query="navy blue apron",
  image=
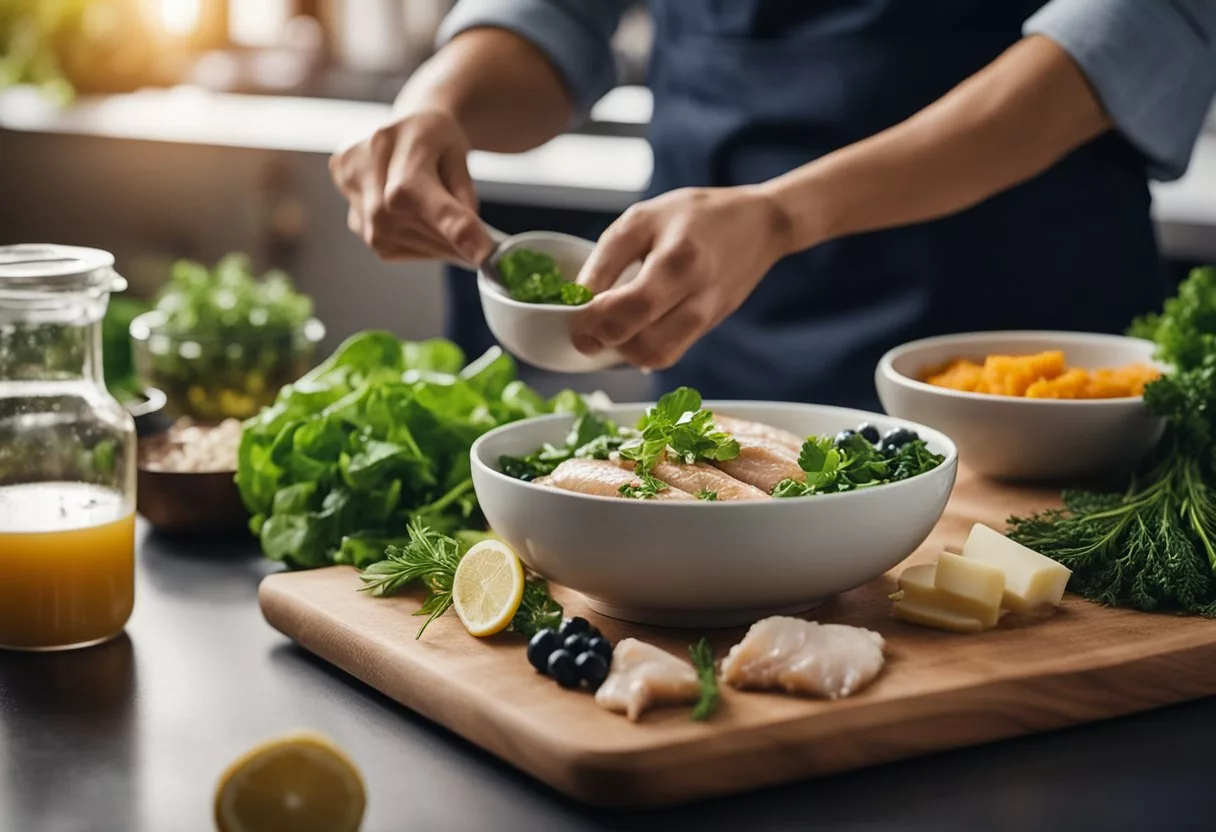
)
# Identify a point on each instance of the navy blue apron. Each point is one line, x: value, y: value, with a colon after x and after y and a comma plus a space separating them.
x: 746, y: 90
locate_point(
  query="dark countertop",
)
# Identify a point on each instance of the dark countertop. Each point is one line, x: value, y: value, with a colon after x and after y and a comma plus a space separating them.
x: 131, y: 736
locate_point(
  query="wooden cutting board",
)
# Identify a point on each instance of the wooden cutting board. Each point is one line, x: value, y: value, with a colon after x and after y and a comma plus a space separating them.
x: 937, y: 691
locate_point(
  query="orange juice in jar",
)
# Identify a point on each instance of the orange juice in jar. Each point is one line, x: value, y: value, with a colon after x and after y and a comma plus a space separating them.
x: 67, y: 565
x: 67, y: 455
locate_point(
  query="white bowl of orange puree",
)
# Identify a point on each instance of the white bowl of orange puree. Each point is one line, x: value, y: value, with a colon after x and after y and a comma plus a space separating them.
x: 1029, y: 405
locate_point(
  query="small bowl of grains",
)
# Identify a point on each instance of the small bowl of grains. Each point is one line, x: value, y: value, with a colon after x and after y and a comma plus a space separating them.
x: 187, y: 479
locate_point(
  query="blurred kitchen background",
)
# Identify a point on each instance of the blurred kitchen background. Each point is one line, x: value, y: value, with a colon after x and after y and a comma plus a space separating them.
x: 161, y: 129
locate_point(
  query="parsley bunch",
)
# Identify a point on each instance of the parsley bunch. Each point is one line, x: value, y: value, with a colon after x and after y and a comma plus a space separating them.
x: 678, y: 427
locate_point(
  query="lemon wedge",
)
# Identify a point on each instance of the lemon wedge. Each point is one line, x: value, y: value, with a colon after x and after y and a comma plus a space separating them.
x: 301, y: 782
x: 488, y: 588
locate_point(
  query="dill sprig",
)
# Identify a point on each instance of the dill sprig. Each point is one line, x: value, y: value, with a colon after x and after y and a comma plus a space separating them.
x: 702, y: 656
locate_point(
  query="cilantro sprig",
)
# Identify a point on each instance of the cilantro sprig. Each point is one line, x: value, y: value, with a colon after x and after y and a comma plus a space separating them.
x: 678, y: 427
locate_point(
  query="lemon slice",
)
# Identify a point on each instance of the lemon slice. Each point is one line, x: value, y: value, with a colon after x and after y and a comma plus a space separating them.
x: 300, y: 782
x: 487, y: 588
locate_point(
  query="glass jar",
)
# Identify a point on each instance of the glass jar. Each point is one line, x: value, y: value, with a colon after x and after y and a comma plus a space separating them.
x: 67, y: 455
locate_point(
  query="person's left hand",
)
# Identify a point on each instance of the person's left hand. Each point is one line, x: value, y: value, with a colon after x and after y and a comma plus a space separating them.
x: 704, y: 251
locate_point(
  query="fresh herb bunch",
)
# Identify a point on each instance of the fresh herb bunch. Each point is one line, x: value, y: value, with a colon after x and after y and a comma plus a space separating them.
x: 834, y: 466
x: 702, y: 656
x: 1152, y: 545
x: 591, y: 437
x: 377, y: 435
x: 431, y: 558
x: 532, y: 277
x: 678, y: 427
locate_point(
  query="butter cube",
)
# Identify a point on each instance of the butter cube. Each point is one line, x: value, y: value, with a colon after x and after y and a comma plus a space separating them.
x: 938, y: 618
x: 981, y: 584
x: 919, y: 587
x: 1033, y: 583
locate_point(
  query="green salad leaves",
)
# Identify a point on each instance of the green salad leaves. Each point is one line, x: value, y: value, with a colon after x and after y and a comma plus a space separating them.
x: 375, y: 437
x: 852, y: 462
x: 532, y: 277
x: 1152, y: 544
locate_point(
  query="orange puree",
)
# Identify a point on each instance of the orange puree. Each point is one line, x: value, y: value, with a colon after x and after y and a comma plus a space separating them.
x: 1044, y: 375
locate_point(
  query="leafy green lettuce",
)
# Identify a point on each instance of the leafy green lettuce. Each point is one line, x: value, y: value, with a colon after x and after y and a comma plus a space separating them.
x: 377, y: 435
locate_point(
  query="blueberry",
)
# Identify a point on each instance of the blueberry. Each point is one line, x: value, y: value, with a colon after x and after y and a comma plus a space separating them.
x: 572, y: 626
x: 540, y: 647
x: 896, y: 438
x: 593, y: 633
x: 576, y: 643
x: 602, y: 647
x: 869, y: 432
x: 592, y: 669
x: 562, y: 669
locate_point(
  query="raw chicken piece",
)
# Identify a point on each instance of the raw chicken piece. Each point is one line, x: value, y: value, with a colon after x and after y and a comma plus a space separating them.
x: 804, y: 657
x: 741, y: 427
x: 700, y: 476
x: 642, y: 676
x: 602, y: 478
x: 762, y: 463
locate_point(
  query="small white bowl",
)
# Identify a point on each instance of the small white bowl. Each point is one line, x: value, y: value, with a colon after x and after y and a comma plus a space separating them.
x: 540, y: 333
x: 1013, y: 438
x: 701, y: 564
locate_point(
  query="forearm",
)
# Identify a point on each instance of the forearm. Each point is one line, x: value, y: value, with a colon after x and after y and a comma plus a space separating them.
x: 501, y: 89
x: 1002, y: 126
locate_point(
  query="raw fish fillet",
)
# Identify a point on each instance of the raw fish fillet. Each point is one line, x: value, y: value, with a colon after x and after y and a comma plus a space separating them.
x: 643, y: 676
x: 700, y: 476
x: 741, y: 427
x: 762, y: 463
x: 804, y: 657
x: 600, y: 477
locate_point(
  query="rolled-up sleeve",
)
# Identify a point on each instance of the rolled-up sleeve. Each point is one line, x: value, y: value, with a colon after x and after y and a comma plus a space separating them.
x: 1152, y: 64
x: 576, y: 36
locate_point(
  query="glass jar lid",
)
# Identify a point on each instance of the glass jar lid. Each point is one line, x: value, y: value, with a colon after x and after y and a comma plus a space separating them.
x: 39, y: 268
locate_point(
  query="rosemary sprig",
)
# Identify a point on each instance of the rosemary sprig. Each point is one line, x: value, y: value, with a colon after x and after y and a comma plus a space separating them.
x: 432, y: 558
x: 702, y: 656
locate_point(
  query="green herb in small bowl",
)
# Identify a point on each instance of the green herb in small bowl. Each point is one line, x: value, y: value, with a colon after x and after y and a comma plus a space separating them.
x: 221, y: 343
x: 533, y: 277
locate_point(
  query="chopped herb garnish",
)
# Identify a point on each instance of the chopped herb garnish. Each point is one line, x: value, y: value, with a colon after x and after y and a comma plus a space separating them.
x: 703, y: 660
x: 854, y: 462
x: 533, y: 277
x: 707, y: 495
x: 647, y: 488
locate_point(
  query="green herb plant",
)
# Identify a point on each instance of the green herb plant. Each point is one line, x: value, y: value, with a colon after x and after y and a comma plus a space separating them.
x: 702, y: 656
x: 1152, y: 544
x: 431, y: 558
x: 532, y: 277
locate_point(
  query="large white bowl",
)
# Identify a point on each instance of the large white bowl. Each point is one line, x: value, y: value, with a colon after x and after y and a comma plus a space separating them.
x: 700, y: 564
x: 540, y: 333
x: 1024, y: 439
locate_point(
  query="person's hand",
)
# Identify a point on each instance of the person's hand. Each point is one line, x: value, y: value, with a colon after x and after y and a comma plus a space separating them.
x: 704, y: 251
x: 410, y: 193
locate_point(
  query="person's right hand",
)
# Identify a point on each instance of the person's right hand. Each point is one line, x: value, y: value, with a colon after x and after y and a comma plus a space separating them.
x: 410, y: 193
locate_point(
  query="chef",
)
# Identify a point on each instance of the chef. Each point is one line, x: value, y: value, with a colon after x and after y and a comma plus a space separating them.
x: 831, y: 177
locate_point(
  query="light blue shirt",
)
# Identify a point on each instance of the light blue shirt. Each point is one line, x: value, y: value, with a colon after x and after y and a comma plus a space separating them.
x: 1152, y: 63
